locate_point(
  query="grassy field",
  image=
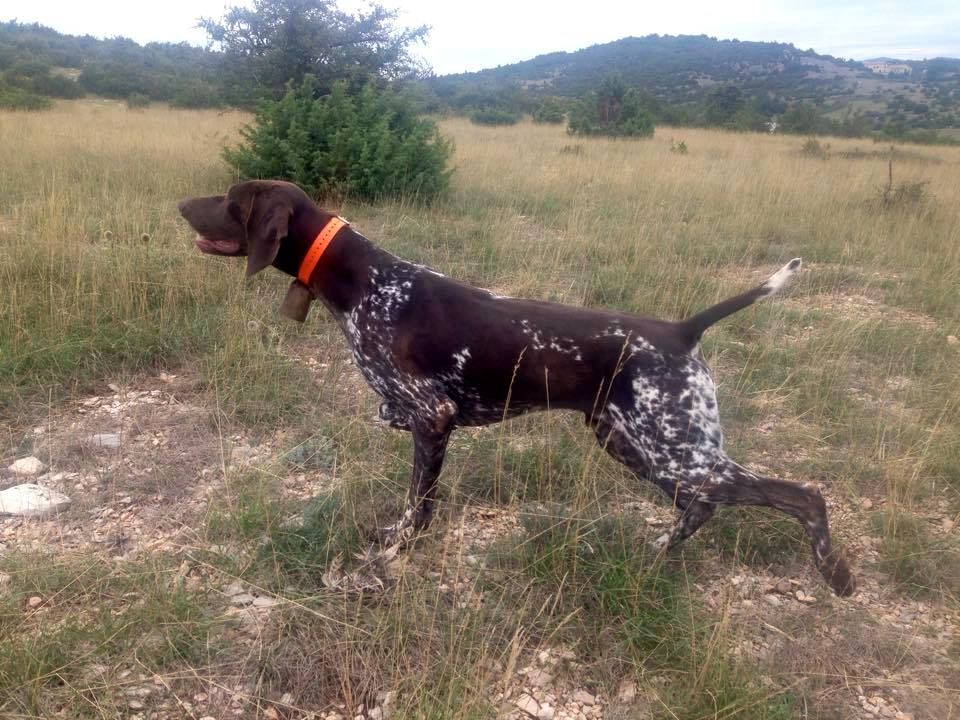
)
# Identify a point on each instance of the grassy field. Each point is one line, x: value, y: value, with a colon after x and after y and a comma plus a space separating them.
x: 194, y: 575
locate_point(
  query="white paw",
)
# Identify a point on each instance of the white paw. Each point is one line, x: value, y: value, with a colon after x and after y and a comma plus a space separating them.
x: 661, y: 542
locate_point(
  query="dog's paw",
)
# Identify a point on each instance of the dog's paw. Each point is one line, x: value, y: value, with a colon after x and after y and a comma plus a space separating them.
x: 661, y: 542
x: 399, y: 533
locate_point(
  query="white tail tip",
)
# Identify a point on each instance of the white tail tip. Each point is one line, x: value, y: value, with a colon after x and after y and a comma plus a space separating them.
x: 781, y: 277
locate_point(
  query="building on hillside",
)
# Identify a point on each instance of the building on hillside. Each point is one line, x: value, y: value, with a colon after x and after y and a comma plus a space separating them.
x: 885, y: 67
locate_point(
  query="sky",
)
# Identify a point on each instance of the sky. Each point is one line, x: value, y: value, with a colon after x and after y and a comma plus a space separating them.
x: 477, y: 35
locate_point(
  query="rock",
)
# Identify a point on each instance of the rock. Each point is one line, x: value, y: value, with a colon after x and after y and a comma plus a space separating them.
x: 866, y: 504
x: 375, y: 714
x: 286, y: 698
x: 389, y: 704
x: 952, y: 340
x: 135, y: 705
x: 234, y: 588
x: 584, y: 698
x: 783, y: 587
x: 265, y: 602
x: 105, y: 440
x: 805, y: 598
x: 242, y: 599
x: 627, y: 692
x: 34, y: 602
x: 527, y: 704
x: 29, y: 499
x: 539, y: 678
x: 772, y: 600
x: 27, y: 466
x: 546, y: 712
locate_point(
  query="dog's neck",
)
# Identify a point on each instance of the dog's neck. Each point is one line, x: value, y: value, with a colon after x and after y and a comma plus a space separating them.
x: 340, y: 277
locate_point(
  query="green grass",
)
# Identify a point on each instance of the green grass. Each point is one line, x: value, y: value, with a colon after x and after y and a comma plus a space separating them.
x: 922, y: 564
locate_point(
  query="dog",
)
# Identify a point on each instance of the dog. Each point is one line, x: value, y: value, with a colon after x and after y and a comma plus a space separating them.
x: 443, y: 354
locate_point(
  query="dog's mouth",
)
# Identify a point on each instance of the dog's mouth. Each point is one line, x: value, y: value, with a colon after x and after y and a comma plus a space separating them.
x: 216, y: 246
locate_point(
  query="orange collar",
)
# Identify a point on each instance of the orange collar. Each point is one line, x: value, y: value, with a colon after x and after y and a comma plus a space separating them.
x: 320, y: 244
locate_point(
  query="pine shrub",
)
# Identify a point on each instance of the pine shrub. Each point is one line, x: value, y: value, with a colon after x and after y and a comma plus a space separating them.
x: 369, y: 145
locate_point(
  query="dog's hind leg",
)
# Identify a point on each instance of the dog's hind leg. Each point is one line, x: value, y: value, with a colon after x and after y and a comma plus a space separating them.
x: 430, y: 435
x: 733, y: 484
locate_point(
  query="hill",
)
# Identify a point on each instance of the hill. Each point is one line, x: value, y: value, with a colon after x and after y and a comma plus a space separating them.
x: 38, y: 62
x: 679, y: 74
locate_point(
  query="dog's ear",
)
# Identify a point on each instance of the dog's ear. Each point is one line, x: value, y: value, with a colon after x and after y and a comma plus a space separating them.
x: 265, y: 214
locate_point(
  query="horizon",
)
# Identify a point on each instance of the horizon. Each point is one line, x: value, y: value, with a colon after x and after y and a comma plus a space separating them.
x: 459, y: 44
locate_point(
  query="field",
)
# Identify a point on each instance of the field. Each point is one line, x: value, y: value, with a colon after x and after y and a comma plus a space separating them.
x: 224, y: 467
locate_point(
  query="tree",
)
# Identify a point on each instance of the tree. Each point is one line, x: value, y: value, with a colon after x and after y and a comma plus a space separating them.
x: 723, y: 105
x: 277, y: 41
x: 612, y: 109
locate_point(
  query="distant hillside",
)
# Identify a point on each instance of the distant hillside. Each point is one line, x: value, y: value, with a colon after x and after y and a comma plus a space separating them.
x: 679, y: 73
x: 41, y: 62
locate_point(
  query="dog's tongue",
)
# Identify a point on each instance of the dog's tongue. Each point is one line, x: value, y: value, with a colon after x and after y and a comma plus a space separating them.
x: 217, y: 247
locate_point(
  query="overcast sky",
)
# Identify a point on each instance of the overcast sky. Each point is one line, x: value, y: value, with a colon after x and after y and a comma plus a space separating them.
x: 475, y: 35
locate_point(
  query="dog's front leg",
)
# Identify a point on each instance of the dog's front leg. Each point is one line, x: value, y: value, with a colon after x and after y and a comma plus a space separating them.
x: 430, y: 436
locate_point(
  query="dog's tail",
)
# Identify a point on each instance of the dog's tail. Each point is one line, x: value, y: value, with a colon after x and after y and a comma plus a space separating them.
x: 695, y: 326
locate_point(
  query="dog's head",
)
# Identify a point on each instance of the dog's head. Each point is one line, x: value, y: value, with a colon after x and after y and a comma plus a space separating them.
x: 251, y: 220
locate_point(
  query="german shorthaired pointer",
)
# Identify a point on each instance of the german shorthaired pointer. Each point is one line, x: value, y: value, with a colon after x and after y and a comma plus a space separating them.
x: 443, y: 354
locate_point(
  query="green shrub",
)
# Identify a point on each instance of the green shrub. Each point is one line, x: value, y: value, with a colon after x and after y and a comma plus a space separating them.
x: 614, y: 110
x: 369, y: 145
x: 494, y: 116
x: 138, y: 100
x: 14, y: 98
x: 549, y: 111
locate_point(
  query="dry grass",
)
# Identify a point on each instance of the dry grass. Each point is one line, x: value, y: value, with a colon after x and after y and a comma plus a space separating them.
x: 850, y: 381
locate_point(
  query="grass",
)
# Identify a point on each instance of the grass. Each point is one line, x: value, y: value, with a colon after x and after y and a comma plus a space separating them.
x: 848, y: 380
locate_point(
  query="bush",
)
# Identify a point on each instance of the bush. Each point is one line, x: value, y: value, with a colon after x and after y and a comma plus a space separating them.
x: 813, y: 148
x: 612, y: 110
x: 137, y: 100
x: 13, y: 98
x: 549, y: 111
x: 369, y: 145
x: 494, y: 116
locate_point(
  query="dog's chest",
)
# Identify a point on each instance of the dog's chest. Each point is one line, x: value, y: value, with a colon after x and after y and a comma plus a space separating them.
x: 370, y: 329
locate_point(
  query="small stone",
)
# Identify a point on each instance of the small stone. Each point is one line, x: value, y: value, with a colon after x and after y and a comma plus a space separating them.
x: 805, y: 598
x: 271, y: 714
x: 265, y: 602
x: 952, y: 340
x: 234, y: 588
x: 105, y: 440
x: 866, y: 504
x: 538, y: 678
x: 287, y: 698
x: 29, y: 499
x: 546, y: 712
x: 527, y: 704
x: 772, y: 600
x: 375, y: 714
x: 135, y: 705
x: 584, y: 698
x: 627, y: 692
x: 34, y: 602
x: 783, y: 587
x: 243, y: 599
x: 27, y: 466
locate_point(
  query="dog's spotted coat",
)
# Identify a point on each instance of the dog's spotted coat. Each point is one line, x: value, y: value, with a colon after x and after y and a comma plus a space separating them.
x: 442, y: 354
